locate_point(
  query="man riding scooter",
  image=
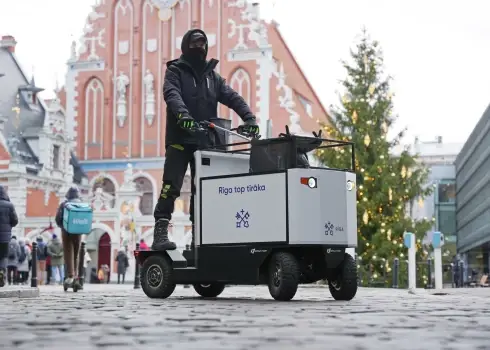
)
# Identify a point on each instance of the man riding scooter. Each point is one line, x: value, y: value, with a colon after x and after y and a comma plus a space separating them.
x: 192, y: 90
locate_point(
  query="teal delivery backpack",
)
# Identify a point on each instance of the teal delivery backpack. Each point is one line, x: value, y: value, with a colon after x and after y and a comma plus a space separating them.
x: 77, y: 218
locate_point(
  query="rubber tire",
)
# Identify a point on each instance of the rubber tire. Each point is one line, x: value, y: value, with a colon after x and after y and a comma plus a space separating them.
x: 75, y: 288
x: 347, y: 277
x: 288, y: 277
x: 166, y: 287
x: 212, y: 291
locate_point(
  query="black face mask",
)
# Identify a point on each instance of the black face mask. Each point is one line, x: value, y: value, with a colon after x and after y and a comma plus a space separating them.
x: 197, y: 53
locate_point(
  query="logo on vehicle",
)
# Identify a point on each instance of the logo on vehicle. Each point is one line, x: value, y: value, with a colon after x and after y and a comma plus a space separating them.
x: 330, y: 250
x: 329, y: 229
x: 253, y: 251
x: 242, y: 218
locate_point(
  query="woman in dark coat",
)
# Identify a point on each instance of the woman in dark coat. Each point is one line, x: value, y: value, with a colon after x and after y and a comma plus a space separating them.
x: 122, y: 265
x: 8, y: 219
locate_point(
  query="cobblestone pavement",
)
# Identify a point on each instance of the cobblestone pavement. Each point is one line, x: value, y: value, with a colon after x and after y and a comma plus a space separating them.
x: 118, y: 317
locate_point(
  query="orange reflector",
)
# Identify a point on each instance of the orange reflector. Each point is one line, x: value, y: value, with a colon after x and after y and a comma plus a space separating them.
x: 211, y: 125
x: 304, y: 180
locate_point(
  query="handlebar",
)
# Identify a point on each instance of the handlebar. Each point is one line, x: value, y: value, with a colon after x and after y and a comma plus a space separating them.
x: 203, y: 126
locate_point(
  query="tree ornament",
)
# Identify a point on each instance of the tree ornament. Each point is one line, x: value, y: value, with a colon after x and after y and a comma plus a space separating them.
x: 390, y: 194
x: 365, y: 217
x: 384, y: 127
x: 345, y: 99
x: 367, y: 140
x: 421, y: 202
x: 409, y: 173
x: 403, y: 172
x: 354, y: 117
x: 371, y: 89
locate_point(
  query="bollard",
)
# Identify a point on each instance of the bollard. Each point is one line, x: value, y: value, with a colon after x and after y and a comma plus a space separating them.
x: 136, y: 267
x: 81, y: 258
x: 452, y: 275
x: 396, y: 265
x: 34, y: 265
x: 429, y: 274
x: 461, y: 274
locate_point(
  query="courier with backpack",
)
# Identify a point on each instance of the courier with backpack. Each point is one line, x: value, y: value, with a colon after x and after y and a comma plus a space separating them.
x: 77, y: 218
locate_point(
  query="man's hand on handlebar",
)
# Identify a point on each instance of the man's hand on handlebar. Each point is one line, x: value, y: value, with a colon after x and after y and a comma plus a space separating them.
x: 186, y: 122
x: 249, y: 128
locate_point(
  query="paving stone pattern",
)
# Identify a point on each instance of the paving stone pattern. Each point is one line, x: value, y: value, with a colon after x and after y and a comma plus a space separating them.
x: 118, y: 317
x: 18, y: 292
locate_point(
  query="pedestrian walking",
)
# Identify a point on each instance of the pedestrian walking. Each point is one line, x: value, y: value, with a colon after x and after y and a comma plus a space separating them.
x: 55, y: 251
x: 24, y: 261
x: 8, y: 219
x: 42, y: 256
x: 122, y: 265
x: 13, y: 261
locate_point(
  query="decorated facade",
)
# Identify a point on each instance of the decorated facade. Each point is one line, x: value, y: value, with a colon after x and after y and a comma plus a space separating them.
x: 37, y: 160
x: 116, y: 113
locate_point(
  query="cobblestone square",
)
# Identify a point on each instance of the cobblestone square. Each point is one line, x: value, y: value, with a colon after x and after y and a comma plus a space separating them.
x: 117, y: 316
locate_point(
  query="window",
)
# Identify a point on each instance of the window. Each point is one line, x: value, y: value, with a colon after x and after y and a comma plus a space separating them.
x: 56, y: 157
x: 446, y: 192
x: 446, y: 220
x: 306, y: 105
x: 146, y: 200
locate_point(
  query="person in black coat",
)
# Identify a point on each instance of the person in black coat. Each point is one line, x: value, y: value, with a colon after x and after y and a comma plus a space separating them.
x: 8, y: 219
x: 191, y: 90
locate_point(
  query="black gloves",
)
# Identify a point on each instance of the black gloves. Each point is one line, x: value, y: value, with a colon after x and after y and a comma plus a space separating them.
x: 185, y: 121
x: 249, y: 127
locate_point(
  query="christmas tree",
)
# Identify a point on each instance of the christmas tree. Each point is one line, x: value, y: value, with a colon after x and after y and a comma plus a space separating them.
x: 388, y: 184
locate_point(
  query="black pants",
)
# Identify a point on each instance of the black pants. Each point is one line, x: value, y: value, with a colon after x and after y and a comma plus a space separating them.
x: 23, y: 276
x: 119, y: 275
x: 177, y: 159
x: 12, y: 274
x: 4, y: 252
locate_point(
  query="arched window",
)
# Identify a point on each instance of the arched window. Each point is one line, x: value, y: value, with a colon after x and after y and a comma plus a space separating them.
x: 146, y: 202
x: 240, y: 82
x: 94, y: 114
x: 107, y: 187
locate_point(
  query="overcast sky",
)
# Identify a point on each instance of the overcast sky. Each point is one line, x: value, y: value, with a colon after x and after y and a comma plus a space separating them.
x: 438, y: 51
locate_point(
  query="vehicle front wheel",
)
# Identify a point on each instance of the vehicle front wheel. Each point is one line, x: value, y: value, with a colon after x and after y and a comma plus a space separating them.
x: 284, y: 273
x: 156, y: 277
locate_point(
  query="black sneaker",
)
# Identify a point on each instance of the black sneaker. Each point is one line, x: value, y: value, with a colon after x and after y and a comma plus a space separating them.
x: 160, y: 237
x: 2, y: 279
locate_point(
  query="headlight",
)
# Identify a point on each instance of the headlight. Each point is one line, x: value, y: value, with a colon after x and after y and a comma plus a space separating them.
x: 350, y: 185
x: 311, y: 182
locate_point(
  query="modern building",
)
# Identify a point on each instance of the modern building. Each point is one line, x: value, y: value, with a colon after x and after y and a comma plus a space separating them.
x: 439, y: 157
x: 37, y: 160
x: 116, y: 113
x: 473, y: 196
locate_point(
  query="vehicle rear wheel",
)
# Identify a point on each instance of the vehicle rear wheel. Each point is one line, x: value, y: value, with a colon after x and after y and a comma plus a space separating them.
x: 210, y: 290
x: 156, y: 277
x: 284, y: 273
x: 344, y: 285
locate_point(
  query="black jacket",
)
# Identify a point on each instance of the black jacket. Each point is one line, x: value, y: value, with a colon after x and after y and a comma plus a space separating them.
x: 72, y: 195
x: 186, y: 91
x: 8, y: 216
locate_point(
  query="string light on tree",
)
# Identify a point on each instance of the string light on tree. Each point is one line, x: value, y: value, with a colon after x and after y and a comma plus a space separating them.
x: 365, y: 116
